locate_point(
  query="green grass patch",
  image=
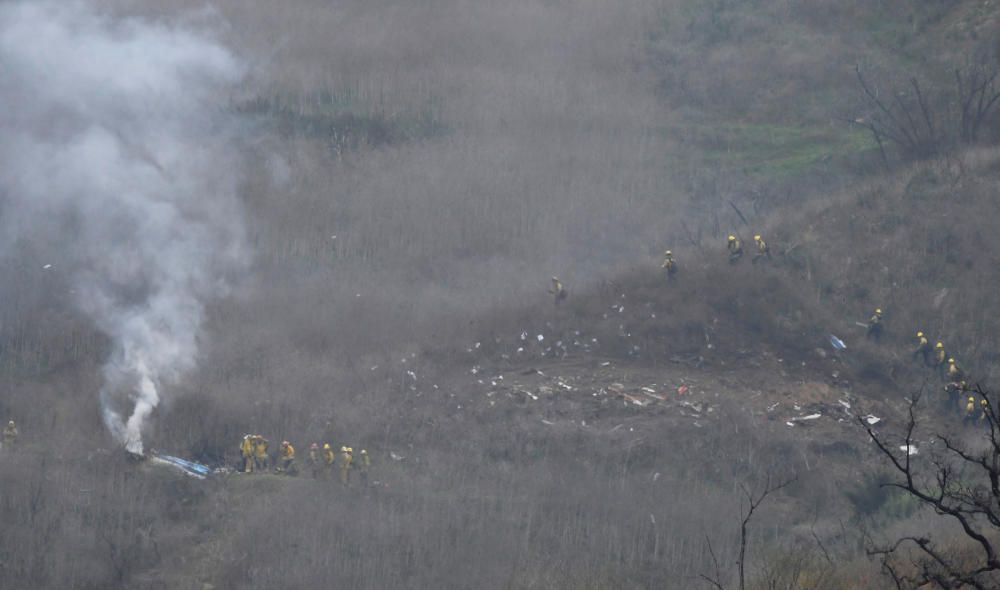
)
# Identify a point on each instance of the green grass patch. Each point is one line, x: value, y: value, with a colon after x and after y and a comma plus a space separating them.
x: 774, y: 151
x: 346, y: 119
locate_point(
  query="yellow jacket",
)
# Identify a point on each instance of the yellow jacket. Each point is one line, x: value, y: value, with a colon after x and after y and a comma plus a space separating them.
x: 345, y: 460
x: 288, y: 452
x: 940, y: 357
x: 246, y: 447
x: 329, y: 456
x: 260, y: 448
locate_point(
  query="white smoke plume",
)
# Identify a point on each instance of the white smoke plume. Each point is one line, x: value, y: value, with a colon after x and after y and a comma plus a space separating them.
x: 115, y: 144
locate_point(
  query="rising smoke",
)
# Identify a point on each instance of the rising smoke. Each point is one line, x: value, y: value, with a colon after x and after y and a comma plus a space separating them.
x: 116, y: 148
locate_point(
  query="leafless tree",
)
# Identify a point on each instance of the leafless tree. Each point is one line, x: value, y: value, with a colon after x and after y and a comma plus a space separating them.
x: 961, y: 484
x: 752, y: 503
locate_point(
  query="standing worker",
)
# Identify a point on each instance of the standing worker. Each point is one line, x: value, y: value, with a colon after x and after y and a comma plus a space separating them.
x: 364, y: 462
x: 261, y: 459
x: 941, y: 360
x: 328, y: 459
x: 246, y: 451
x: 763, y: 250
x: 954, y: 372
x: 557, y: 290
x: 735, y: 249
x: 668, y: 264
x: 984, y: 410
x: 345, y: 465
x: 315, y: 461
x: 10, y: 436
x: 923, y: 349
x: 970, y: 412
x: 287, y: 458
x: 875, y: 326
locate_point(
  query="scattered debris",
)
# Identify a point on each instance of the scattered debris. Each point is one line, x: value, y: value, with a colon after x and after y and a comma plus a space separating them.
x: 909, y: 449
x: 872, y: 420
x: 190, y: 468
x: 837, y: 343
x: 396, y: 457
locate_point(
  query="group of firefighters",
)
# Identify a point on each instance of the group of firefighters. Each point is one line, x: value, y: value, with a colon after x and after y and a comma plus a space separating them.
x: 948, y: 371
x: 322, y: 460
x: 931, y: 356
x: 733, y: 246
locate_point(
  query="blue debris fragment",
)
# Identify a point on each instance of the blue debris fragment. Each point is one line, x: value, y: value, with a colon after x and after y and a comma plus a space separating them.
x: 189, y: 467
x: 837, y: 343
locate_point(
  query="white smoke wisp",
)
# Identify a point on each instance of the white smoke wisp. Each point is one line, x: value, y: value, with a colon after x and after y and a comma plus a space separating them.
x: 116, y: 145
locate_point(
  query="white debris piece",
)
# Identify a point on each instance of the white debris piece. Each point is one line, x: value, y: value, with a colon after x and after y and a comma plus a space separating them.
x: 565, y: 386
x: 837, y: 343
x: 909, y: 449
x: 606, y: 363
x: 524, y: 335
x: 540, y: 337
x: 805, y: 418
x: 412, y: 375
x: 396, y: 457
x: 547, y: 422
x: 478, y: 344
x: 47, y: 266
x: 844, y: 403
x: 872, y: 420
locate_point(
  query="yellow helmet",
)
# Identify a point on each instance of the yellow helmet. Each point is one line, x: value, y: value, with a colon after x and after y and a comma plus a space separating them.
x: 972, y: 399
x: 939, y: 345
x: 732, y: 238
x: 951, y: 361
x: 364, y: 452
x: 920, y: 334
x: 878, y: 311
x: 343, y: 449
x: 668, y: 253
x: 982, y: 402
x: 756, y: 238
x: 326, y: 446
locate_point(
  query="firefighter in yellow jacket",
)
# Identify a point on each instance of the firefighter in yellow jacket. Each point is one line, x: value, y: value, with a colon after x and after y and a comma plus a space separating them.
x: 262, y: 459
x: 954, y: 372
x: 668, y: 263
x: 329, y: 457
x: 941, y: 360
x: 246, y: 452
x: 970, y: 412
x: 557, y: 290
x: 735, y: 248
x: 923, y: 349
x: 875, y: 326
x: 10, y: 435
x: 763, y: 250
x: 346, y: 457
x: 287, y: 458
